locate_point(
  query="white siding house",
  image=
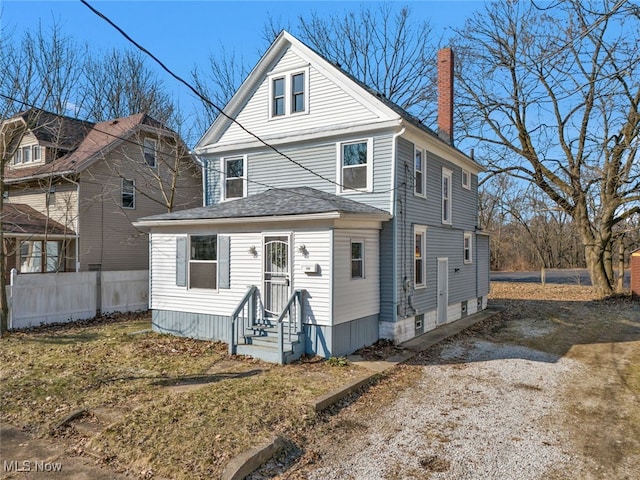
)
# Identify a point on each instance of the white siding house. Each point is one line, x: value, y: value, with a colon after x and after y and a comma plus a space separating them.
x: 330, y: 213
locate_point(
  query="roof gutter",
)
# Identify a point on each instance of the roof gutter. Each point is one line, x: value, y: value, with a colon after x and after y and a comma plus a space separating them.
x: 276, y: 218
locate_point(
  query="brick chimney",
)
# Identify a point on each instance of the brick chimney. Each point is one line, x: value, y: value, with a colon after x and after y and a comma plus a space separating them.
x: 445, y: 95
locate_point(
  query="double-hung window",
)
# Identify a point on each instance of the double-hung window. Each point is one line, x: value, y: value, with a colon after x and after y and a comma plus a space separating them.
x: 289, y: 93
x: 419, y: 187
x: 355, y: 166
x: 26, y: 154
x: 128, y: 193
x: 446, y: 196
x: 277, y: 97
x: 235, y: 184
x: 150, y: 152
x: 468, y: 247
x: 36, y: 153
x: 203, y: 261
x: 17, y: 157
x: 357, y: 259
x: 419, y: 261
x: 297, y: 93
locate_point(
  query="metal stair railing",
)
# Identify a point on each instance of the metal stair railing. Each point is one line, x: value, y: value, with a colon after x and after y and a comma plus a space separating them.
x: 243, y: 317
x: 293, y: 310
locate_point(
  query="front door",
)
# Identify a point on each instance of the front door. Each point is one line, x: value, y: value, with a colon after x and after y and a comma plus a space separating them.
x: 276, y: 274
x: 443, y: 290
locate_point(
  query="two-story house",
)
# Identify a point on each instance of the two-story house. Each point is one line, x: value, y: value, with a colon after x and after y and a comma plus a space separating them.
x: 71, y: 190
x: 333, y: 218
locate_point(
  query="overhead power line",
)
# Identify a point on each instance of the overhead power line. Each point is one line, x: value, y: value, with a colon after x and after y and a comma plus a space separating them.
x: 207, y: 100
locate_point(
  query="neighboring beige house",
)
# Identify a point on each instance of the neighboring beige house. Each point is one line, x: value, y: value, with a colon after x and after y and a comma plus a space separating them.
x: 72, y: 190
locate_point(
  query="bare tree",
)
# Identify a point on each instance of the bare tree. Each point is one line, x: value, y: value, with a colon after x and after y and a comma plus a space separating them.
x: 383, y: 48
x: 552, y: 98
x: 119, y: 84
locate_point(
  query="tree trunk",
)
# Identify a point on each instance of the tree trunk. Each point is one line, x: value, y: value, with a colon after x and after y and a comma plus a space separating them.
x: 595, y: 258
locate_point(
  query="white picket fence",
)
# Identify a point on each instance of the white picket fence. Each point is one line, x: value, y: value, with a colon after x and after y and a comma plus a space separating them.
x: 43, y: 298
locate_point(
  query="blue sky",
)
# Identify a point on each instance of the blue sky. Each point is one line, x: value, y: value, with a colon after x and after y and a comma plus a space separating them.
x: 184, y: 33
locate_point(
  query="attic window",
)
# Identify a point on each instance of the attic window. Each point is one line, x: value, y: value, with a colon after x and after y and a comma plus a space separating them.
x: 289, y: 93
x: 150, y: 147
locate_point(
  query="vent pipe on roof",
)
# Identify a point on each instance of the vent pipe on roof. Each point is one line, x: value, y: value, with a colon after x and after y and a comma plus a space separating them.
x: 445, y: 95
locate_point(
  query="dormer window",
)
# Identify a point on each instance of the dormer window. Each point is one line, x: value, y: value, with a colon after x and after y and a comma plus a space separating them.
x: 27, y: 155
x: 289, y: 93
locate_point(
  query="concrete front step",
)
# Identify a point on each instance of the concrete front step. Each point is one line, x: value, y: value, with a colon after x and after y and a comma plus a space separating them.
x: 268, y: 353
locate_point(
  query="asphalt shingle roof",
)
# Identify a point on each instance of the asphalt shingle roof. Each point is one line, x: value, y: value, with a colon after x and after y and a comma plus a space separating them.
x: 276, y: 202
x: 18, y: 218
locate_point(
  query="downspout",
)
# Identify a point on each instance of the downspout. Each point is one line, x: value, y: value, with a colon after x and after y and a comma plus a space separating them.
x: 394, y: 199
x: 77, y: 242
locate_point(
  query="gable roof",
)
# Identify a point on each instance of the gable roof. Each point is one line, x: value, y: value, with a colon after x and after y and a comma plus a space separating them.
x: 347, y: 81
x: 273, y: 203
x: 20, y: 219
x: 98, y: 139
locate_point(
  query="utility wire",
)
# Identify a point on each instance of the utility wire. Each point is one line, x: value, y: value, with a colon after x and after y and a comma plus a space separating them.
x: 141, y: 145
x: 204, y: 98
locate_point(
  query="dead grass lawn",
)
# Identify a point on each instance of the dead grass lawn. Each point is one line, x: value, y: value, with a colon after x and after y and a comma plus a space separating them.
x: 186, y: 406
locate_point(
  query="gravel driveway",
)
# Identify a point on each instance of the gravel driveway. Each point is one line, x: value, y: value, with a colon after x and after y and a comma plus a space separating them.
x: 477, y: 412
x: 548, y: 389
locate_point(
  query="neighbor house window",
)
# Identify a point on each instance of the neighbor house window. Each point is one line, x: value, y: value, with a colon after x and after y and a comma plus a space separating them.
x: 288, y: 93
x: 234, y: 177
x: 17, y: 157
x: 26, y: 154
x: 297, y: 93
x: 128, y: 193
x: 419, y: 176
x: 466, y: 179
x: 150, y: 147
x: 357, y: 259
x: 355, y: 166
x: 468, y: 245
x: 419, y: 263
x: 36, y: 153
x: 36, y: 259
x: 446, y: 196
x: 203, y: 261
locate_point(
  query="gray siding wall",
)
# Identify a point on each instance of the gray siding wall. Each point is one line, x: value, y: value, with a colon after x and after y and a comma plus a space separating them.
x: 441, y: 240
x: 266, y: 169
x: 191, y: 325
x: 341, y: 339
x: 483, y: 243
x: 387, y: 287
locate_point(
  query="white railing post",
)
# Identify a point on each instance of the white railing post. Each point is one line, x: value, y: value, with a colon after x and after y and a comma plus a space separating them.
x: 12, y: 292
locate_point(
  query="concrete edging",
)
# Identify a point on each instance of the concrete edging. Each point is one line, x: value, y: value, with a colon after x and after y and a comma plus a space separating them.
x: 247, y: 462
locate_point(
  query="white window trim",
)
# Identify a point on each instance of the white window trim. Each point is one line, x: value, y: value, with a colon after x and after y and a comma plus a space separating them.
x: 424, y: 172
x: 468, y: 184
x: 34, y: 149
x: 340, y: 189
x: 223, y: 176
x: 446, y: 173
x: 189, y: 261
x: 363, y: 253
x: 122, y: 193
x: 422, y: 230
x: 467, y: 235
x: 154, y: 143
x: 288, y: 92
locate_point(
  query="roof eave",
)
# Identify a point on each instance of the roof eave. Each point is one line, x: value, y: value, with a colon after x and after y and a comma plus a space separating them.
x: 334, y: 215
